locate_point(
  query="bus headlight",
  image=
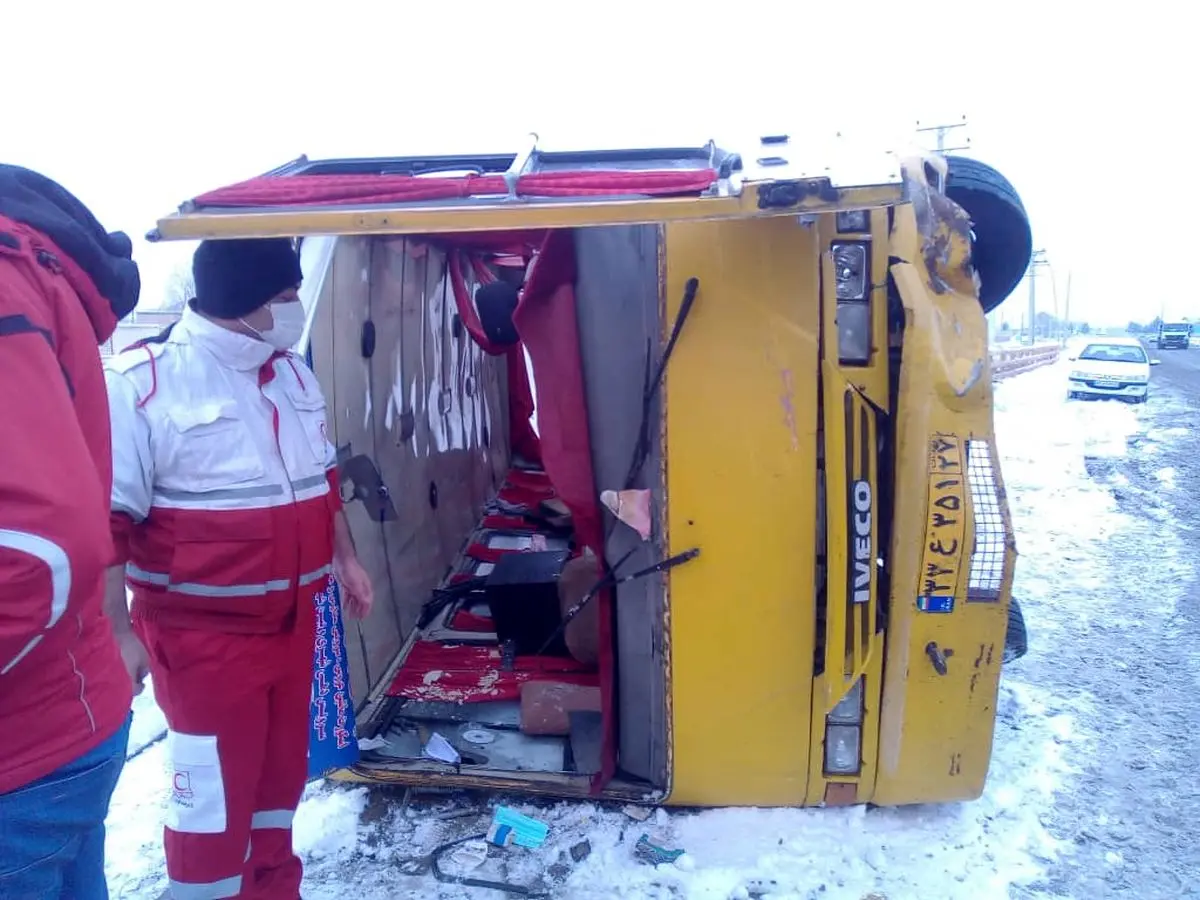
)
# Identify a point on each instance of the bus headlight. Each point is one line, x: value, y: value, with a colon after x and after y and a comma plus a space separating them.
x: 854, y: 332
x: 853, y: 221
x: 849, y: 709
x: 843, y: 754
x: 850, y: 270
x: 843, y: 734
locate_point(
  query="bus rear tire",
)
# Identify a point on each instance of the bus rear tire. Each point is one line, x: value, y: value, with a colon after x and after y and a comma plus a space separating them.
x: 1016, y: 638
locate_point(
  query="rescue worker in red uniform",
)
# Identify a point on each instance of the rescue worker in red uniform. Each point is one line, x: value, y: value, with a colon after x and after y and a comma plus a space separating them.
x: 227, y: 518
x: 64, y: 684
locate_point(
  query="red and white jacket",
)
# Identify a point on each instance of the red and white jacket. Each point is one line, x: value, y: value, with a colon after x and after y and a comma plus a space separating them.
x: 63, y: 687
x: 224, y: 484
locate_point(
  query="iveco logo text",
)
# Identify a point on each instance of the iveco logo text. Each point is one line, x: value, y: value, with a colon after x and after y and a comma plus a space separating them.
x: 861, y: 495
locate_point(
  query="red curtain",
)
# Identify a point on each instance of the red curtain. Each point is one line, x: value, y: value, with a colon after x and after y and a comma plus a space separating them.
x: 340, y: 190
x: 546, y: 321
x: 523, y: 439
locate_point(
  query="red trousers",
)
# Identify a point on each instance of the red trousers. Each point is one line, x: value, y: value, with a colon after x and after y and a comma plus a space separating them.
x: 237, y: 709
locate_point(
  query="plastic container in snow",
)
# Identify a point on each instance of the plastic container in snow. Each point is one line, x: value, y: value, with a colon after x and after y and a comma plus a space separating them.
x: 332, y: 741
x: 526, y: 832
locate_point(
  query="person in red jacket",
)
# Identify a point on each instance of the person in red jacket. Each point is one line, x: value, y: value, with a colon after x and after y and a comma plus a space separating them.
x: 64, y: 689
x: 227, y: 518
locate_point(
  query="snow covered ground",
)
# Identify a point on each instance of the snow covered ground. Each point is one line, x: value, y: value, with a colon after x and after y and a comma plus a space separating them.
x: 1016, y: 840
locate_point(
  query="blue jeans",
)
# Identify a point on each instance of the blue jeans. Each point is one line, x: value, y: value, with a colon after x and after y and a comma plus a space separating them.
x: 52, y: 831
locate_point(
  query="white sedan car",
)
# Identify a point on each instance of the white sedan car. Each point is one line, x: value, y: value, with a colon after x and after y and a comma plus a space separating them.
x: 1111, y: 367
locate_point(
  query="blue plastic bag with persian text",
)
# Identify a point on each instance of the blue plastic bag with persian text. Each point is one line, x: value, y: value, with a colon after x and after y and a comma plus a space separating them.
x: 332, y: 740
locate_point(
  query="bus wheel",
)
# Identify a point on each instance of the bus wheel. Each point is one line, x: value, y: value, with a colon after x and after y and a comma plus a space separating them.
x: 1016, y: 639
x: 1003, y: 242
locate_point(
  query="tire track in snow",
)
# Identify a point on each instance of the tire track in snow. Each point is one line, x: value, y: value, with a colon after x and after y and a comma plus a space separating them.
x: 1107, y: 580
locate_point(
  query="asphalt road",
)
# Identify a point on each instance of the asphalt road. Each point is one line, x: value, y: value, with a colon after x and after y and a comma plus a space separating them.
x: 1119, y: 647
x: 1180, y: 369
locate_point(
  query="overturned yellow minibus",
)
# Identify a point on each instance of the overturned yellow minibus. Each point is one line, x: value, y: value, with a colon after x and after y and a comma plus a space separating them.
x: 673, y: 467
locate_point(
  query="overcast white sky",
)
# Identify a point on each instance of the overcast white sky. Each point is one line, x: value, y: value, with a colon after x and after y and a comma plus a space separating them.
x: 1086, y: 108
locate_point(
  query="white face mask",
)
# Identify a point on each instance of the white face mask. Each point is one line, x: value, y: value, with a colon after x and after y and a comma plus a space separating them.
x: 287, y: 325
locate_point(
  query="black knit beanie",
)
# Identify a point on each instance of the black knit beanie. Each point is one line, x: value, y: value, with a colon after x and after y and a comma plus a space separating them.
x: 46, y: 206
x: 234, y: 278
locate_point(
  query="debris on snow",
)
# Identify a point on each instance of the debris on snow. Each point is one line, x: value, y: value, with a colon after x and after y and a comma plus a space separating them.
x: 470, y: 855
x: 437, y: 747
x: 526, y: 831
x: 367, y: 844
x: 638, y: 813
x: 581, y: 851
x: 327, y: 822
x: 653, y: 854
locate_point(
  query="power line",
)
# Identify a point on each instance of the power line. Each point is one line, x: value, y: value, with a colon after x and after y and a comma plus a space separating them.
x: 1067, y: 312
x: 941, y: 130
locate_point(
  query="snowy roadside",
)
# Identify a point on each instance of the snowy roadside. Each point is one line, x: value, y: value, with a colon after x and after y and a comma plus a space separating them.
x: 960, y: 850
x: 354, y: 840
x: 1108, y: 579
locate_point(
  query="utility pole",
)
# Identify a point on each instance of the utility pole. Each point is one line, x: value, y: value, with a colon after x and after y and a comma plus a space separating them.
x: 1038, y: 258
x: 1054, y: 295
x: 941, y: 135
x: 1067, y: 303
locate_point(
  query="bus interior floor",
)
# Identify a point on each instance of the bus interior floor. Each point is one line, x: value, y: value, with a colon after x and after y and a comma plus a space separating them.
x: 476, y: 746
x: 550, y: 726
x: 457, y: 697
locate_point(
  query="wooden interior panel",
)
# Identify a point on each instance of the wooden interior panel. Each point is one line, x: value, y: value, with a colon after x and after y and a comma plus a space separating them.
x: 404, y: 444
x: 418, y: 406
x: 451, y: 467
x: 385, y: 631
x: 352, y: 430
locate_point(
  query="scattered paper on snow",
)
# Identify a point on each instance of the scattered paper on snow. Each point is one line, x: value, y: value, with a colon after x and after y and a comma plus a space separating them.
x: 437, y: 747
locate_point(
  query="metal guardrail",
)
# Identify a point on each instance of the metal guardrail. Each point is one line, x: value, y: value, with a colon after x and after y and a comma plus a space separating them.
x: 1009, y: 362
